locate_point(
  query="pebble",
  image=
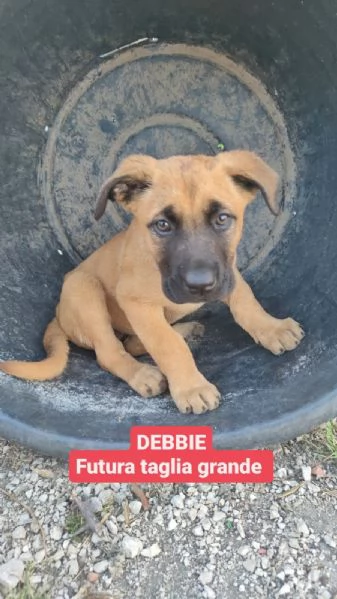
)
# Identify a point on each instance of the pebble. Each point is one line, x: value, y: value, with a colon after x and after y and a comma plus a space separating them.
x: 274, y: 513
x: 244, y: 550
x: 151, y: 551
x: 209, y: 593
x: 112, y: 527
x: 249, y: 565
x: 306, y: 473
x: 219, y: 516
x: 39, y: 556
x: 329, y: 541
x: 11, y: 574
x: 284, y: 590
x: 198, y: 531
x: 314, y: 575
x: 302, y: 527
x: 172, y: 525
x: 192, y: 514
x: 206, y: 577
x: 19, y: 533
x: 131, y: 546
x: 241, y: 531
x: 73, y: 568
x: 135, y: 507
x: 105, y: 496
x: 56, y: 533
x: 178, y: 501
x: 101, y: 566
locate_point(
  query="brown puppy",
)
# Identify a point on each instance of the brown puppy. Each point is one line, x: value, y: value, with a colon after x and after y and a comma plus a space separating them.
x: 178, y: 253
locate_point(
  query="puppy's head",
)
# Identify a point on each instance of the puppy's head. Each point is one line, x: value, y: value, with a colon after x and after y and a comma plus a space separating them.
x: 191, y: 210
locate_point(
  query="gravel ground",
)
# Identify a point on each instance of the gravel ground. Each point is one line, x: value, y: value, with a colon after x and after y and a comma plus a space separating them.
x: 195, y: 541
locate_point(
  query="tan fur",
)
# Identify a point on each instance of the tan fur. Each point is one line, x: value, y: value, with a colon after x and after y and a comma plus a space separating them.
x: 118, y: 288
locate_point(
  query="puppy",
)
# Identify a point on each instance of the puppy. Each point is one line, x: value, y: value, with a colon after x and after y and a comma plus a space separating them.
x: 178, y: 253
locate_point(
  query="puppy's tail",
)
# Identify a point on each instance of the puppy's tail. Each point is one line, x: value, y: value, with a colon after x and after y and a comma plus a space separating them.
x: 56, y: 345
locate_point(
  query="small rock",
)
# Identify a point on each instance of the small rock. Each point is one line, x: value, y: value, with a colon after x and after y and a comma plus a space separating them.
x: 289, y: 571
x: 34, y: 527
x: 281, y: 473
x: 135, y: 507
x: 325, y: 594
x: 172, y: 525
x: 293, y: 543
x: 112, y: 527
x: 73, y: 568
x: 56, y: 533
x: 244, y: 550
x: 178, y: 501
x: 151, y: 551
x: 11, y: 574
x: 318, y: 471
x: 329, y: 541
x: 241, y: 531
x: 105, y: 496
x: 209, y: 593
x: 206, y: 577
x: 131, y: 546
x: 302, y: 528
x: 159, y: 520
x: 101, y: 566
x: 284, y: 590
x: 274, y: 513
x: 264, y: 562
x: 206, y: 524
x: 314, y: 575
x: 192, y: 514
x: 24, y: 519
x: 198, y: 531
x: 219, y: 516
x: 19, y: 533
x: 249, y: 565
x: 95, y: 539
x: 39, y: 556
x: 306, y: 473
x: 93, y: 577
x: 35, y: 580
x: 283, y: 548
x: 203, y: 511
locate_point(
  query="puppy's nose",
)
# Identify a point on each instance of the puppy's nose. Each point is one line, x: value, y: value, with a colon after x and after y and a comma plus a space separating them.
x: 200, y: 279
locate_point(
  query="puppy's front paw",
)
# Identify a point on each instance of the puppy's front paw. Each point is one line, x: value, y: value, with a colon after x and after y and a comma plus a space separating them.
x: 197, y: 399
x: 279, y: 335
x: 148, y: 381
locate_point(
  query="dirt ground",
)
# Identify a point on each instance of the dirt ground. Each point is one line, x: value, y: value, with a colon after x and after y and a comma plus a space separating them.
x: 195, y: 541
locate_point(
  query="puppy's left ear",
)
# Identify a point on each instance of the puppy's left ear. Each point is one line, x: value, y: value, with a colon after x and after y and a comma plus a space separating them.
x: 252, y: 174
x: 132, y: 177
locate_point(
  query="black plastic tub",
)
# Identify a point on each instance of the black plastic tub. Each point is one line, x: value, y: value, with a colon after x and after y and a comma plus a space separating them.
x: 192, y: 75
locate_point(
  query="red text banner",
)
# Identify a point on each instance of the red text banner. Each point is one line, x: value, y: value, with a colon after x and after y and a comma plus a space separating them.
x: 171, y: 454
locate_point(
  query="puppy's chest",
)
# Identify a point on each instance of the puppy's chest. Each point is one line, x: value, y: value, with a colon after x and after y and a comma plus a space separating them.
x: 175, y: 312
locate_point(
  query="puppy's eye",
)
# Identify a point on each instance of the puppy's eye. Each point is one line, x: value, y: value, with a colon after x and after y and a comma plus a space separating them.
x: 162, y: 226
x: 222, y: 220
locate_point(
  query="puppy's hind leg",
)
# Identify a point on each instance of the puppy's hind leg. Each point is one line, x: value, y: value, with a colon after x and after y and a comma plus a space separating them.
x: 84, y: 315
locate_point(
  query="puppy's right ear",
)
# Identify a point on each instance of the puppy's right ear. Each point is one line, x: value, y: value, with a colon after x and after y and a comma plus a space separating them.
x: 132, y: 177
